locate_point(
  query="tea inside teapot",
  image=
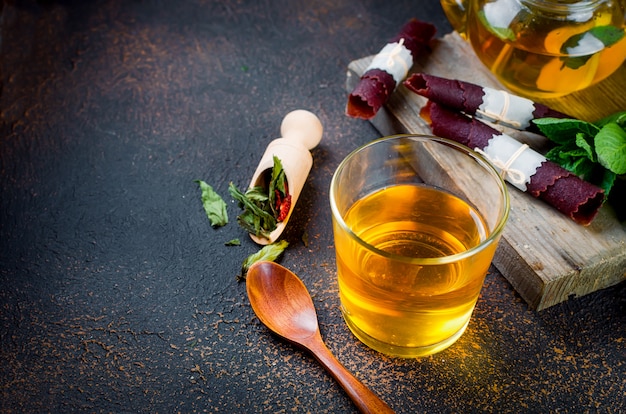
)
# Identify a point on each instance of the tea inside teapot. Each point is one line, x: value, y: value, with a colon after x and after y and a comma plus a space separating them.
x: 543, y: 48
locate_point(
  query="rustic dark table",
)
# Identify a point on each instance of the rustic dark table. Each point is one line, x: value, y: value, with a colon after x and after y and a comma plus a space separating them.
x: 116, y: 294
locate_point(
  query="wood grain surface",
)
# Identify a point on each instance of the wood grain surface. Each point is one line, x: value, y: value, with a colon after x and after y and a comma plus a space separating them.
x: 545, y: 255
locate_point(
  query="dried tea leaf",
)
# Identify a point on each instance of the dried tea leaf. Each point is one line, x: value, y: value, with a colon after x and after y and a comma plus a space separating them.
x: 255, y: 218
x: 270, y: 252
x: 265, y: 205
x: 213, y: 204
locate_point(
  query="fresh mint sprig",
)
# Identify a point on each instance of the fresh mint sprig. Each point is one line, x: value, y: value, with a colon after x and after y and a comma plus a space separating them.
x: 594, y: 151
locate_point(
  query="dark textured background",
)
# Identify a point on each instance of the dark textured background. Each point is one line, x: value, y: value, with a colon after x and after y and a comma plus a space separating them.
x: 116, y: 295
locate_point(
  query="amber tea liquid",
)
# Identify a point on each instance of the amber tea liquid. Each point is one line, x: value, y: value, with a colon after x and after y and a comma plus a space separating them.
x: 528, y: 56
x: 392, y: 303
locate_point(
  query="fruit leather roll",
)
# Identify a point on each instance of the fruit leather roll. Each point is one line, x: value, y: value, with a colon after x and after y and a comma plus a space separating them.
x: 490, y: 104
x: 522, y: 167
x: 388, y: 68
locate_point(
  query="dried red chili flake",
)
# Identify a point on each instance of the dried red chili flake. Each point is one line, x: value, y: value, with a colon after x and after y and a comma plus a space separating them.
x: 277, y: 200
x: 283, y: 207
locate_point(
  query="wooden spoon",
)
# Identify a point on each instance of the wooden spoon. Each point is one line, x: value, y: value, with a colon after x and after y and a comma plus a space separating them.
x: 283, y: 304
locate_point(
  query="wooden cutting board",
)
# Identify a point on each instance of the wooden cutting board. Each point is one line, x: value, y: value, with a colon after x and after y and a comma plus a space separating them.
x: 545, y: 255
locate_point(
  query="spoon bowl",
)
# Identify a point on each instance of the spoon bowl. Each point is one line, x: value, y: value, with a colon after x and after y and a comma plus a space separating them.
x: 277, y: 297
x: 283, y: 304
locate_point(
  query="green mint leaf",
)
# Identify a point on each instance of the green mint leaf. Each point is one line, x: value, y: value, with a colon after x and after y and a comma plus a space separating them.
x: 261, y: 202
x: 271, y: 252
x: 610, y: 145
x: 607, y: 35
x: 554, y: 154
x: 233, y: 242
x: 582, y: 143
x: 565, y: 153
x: 563, y: 131
x: 255, y: 219
x: 618, y: 118
x: 213, y: 204
x: 257, y: 194
x: 582, y: 167
x: 575, y: 62
x: 278, y: 176
x: 606, y: 181
x: 503, y: 33
x: 277, y: 182
x: 574, y: 160
x: 252, y: 224
x: 595, y: 152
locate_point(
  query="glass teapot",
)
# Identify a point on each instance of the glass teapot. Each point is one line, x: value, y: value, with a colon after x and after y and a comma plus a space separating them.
x: 543, y: 48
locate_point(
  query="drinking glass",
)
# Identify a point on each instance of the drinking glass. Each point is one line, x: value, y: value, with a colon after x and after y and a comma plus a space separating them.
x: 416, y: 222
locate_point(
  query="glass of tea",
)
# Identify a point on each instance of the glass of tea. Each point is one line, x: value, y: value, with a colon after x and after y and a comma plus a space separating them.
x: 416, y: 222
x: 544, y: 48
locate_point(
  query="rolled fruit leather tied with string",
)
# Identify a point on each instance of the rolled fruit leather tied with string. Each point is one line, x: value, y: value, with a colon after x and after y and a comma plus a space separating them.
x: 494, y: 105
x: 388, y: 68
x: 521, y: 166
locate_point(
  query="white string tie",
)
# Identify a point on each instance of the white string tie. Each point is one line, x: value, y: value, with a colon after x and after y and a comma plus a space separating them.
x: 512, y: 175
x: 394, y: 55
x: 502, y: 116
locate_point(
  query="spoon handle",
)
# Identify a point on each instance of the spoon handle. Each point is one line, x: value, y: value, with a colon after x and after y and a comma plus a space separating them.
x: 365, y: 400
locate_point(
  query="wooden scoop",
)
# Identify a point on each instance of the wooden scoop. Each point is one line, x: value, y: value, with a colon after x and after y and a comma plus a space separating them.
x: 283, y: 304
x: 301, y: 132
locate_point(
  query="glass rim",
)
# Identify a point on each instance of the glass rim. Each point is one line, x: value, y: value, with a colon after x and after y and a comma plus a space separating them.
x: 490, y: 239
